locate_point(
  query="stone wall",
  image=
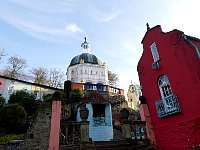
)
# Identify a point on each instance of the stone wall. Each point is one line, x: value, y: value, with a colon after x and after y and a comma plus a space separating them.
x: 38, y: 136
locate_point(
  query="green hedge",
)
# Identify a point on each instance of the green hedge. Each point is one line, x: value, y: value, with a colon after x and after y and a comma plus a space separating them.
x: 7, y: 138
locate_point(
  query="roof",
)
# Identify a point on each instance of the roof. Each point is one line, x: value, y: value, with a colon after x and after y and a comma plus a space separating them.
x: 87, y: 58
x: 44, y: 86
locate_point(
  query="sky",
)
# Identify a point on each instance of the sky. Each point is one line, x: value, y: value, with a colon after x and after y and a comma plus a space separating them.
x: 48, y: 33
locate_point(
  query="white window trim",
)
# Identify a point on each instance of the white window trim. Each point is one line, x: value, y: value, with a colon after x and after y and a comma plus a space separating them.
x: 154, y: 52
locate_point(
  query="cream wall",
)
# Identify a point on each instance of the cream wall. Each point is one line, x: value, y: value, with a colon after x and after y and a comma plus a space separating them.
x: 88, y: 73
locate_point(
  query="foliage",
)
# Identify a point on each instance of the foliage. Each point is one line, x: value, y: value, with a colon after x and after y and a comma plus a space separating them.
x: 13, y: 117
x: 76, y: 95
x: 26, y: 100
x: 64, y: 97
x: 47, y: 100
x: 113, y: 78
x: 6, y: 138
x: 18, y: 96
x: 2, y: 101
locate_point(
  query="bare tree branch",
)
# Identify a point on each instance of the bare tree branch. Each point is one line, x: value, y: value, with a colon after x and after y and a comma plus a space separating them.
x: 39, y: 75
x: 56, y: 78
x: 15, y: 67
x: 113, y: 78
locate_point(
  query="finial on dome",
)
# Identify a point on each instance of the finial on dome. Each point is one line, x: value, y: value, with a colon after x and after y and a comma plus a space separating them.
x: 148, y: 28
x: 85, y: 46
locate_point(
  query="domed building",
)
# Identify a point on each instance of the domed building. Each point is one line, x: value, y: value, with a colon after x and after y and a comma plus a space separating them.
x: 87, y: 72
x: 87, y: 68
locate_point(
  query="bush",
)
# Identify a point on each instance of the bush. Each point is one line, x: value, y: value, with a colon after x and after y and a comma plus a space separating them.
x: 13, y: 117
x: 2, y: 101
x: 76, y: 95
x: 26, y: 100
x: 18, y: 96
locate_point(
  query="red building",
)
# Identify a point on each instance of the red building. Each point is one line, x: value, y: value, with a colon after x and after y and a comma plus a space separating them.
x: 169, y: 73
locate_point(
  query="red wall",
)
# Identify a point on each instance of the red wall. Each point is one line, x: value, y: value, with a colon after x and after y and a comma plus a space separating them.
x: 181, y: 64
x: 77, y: 85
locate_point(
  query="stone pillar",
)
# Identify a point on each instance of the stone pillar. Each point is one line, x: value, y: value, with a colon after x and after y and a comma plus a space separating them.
x: 126, y: 125
x: 85, y: 131
x: 84, y: 112
x: 145, y: 116
x: 126, y: 129
x: 55, y: 122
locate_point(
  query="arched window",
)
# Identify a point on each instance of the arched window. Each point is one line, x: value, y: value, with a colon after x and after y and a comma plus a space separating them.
x: 169, y: 103
x: 164, y: 86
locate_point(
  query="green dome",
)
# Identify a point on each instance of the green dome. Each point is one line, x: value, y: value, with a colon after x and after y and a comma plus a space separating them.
x: 88, y: 58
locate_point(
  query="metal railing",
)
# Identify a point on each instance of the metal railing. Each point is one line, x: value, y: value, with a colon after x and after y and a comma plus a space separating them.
x: 167, y: 106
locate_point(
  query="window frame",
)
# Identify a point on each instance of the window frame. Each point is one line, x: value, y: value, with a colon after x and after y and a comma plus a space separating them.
x: 154, y: 52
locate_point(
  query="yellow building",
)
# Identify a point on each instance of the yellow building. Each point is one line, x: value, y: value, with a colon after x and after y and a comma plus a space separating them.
x: 134, y: 92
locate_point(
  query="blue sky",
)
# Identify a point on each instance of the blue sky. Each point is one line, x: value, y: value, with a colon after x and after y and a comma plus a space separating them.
x: 48, y: 33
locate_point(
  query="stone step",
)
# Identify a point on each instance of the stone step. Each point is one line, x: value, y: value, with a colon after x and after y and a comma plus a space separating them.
x: 116, y: 145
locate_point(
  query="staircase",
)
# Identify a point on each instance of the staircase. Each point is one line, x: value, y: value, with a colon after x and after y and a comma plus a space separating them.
x: 118, y: 145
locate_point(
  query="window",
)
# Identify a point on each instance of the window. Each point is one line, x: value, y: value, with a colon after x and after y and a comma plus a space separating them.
x: 169, y: 103
x: 10, y: 90
x: 88, y: 86
x: 164, y: 86
x: 154, y: 52
x: 100, y: 87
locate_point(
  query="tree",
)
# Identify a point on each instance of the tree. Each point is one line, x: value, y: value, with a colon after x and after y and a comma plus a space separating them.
x: 56, y: 78
x: 25, y: 100
x: 113, y: 78
x: 2, y: 101
x: 13, y: 117
x: 52, y: 77
x: 2, y: 53
x: 39, y: 75
x: 15, y: 68
x: 76, y: 95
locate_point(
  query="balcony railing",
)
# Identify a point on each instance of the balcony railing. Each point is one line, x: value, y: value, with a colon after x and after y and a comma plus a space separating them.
x: 138, y: 130
x: 94, y: 87
x: 167, y: 106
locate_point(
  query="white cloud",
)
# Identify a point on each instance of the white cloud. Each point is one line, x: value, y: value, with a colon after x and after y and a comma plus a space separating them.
x: 46, y: 6
x: 43, y: 25
x: 103, y: 15
x: 72, y: 27
x: 110, y: 16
